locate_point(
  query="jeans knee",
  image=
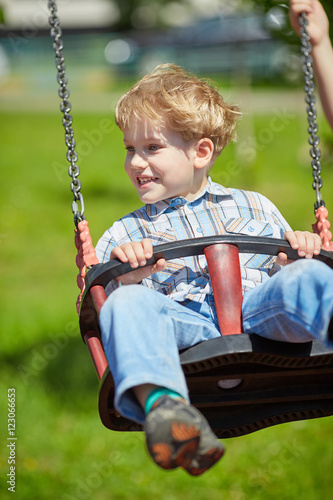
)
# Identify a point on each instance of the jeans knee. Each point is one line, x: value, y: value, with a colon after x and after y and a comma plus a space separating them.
x: 127, y: 297
x: 124, y: 295
x: 126, y: 291
x: 308, y: 269
x: 119, y: 305
x: 304, y: 276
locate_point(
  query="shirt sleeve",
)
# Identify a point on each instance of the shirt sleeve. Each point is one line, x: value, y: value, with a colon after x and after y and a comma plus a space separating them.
x: 103, y: 251
x: 280, y: 227
x: 279, y: 223
x: 104, y: 246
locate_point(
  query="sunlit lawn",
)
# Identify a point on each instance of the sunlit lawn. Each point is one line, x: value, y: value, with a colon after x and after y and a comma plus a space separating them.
x: 63, y: 451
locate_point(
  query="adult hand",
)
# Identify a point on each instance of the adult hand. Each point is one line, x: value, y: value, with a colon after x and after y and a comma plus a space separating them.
x: 318, y: 27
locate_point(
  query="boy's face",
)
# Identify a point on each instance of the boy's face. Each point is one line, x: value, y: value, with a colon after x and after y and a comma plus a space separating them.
x: 160, y: 164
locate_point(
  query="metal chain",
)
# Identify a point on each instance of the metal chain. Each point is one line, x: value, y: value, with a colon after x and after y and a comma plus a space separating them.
x: 65, y: 107
x: 311, y: 110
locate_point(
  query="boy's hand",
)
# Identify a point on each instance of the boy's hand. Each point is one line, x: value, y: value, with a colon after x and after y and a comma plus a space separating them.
x: 318, y: 20
x: 137, y: 253
x: 307, y: 244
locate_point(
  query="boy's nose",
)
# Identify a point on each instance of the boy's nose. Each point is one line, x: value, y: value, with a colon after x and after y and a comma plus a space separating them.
x: 138, y: 161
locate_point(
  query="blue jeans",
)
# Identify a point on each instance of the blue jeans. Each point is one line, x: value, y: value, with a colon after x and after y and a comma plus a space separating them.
x: 143, y: 330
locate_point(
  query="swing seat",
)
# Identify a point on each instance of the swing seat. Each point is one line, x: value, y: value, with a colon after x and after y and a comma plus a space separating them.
x: 240, y: 382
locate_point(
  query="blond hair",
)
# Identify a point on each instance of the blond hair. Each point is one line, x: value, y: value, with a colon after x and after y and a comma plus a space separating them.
x: 186, y: 104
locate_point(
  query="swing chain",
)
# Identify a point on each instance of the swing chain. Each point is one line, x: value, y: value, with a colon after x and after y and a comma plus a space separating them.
x: 311, y: 110
x: 65, y: 108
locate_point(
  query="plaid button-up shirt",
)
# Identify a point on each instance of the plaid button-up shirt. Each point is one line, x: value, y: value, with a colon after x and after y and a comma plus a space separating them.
x: 216, y: 211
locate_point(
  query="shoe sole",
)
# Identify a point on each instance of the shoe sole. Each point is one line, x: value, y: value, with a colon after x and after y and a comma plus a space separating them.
x: 206, y: 461
x: 187, y: 447
x: 185, y: 440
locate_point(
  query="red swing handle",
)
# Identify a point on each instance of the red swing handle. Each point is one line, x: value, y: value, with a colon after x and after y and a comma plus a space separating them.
x: 92, y: 338
x: 225, y: 275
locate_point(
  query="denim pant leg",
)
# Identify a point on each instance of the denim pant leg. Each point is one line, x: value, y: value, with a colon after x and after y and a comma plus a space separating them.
x: 294, y: 305
x: 142, y: 333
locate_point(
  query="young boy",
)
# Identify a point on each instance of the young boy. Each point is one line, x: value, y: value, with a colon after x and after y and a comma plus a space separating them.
x: 174, y: 127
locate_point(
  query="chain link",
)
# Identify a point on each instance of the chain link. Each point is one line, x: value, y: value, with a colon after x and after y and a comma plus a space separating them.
x: 310, y: 99
x: 65, y: 108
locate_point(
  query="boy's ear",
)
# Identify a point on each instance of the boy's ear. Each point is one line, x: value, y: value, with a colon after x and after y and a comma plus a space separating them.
x: 204, y: 152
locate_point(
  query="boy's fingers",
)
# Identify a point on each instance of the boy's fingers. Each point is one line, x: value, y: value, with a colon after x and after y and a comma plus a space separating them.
x: 313, y: 245
x: 292, y: 238
x: 305, y: 242
x: 118, y: 253
x: 147, y: 248
x: 309, y: 246
x: 317, y: 244
x: 281, y: 259
x: 153, y: 268
x: 160, y: 265
x: 129, y: 252
x: 136, y: 252
x: 138, y: 275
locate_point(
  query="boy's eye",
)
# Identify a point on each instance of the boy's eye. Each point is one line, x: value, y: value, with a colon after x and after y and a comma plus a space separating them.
x: 154, y: 147
x: 130, y: 149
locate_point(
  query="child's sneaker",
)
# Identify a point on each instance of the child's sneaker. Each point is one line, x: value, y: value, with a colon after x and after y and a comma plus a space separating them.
x: 178, y: 435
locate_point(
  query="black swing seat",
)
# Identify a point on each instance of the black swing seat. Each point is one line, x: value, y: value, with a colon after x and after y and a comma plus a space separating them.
x: 278, y: 383
x: 240, y: 382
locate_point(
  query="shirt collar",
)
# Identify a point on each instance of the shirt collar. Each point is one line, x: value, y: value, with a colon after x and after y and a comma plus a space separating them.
x: 155, y: 209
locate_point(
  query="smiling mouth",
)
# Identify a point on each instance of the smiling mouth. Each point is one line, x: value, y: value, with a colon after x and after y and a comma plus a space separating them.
x: 145, y: 180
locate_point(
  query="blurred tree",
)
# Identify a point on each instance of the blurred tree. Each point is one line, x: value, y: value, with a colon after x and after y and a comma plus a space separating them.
x: 149, y: 13
x: 154, y: 13
x: 132, y: 10
x: 267, y: 5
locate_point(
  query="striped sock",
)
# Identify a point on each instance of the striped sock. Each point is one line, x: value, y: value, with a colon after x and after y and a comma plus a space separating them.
x: 156, y: 394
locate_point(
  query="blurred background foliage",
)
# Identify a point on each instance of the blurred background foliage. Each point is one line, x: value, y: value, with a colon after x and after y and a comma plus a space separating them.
x: 148, y: 13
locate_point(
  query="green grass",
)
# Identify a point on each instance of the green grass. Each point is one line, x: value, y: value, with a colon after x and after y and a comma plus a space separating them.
x: 63, y: 451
